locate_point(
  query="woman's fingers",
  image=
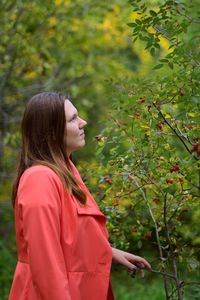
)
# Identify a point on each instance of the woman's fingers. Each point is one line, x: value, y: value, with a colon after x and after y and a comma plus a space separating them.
x: 141, y: 262
x: 133, y: 272
x: 143, y: 266
x: 142, y: 273
x: 138, y: 266
x: 133, y: 262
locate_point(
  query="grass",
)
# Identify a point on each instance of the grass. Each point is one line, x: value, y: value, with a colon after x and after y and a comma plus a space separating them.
x: 127, y: 288
x: 150, y: 288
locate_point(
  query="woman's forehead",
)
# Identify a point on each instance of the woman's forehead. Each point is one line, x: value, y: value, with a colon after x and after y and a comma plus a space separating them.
x: 70, y: 109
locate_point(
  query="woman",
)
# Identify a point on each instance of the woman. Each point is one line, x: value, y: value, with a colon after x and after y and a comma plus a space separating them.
x: 62, y: 240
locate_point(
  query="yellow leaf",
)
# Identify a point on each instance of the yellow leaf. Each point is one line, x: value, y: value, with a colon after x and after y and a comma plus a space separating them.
x: 67, y: 3
x: 167, y: 147
x: 76, y: 24
x: 13, y: 17
x: 192, y: 114
x: 107, y: 24
x: 167, y: 116
x: 116, y: 8
x: 145, y: 126
x: 52, y: 21
x: 134, y: 16
x: 164, y: 43
x: 31, y: 75
x: 58, y: 2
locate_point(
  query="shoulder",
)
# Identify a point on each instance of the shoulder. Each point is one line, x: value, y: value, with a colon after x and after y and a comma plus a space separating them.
x: 39, y: 169
x: 40, y: 175
x: 39, y: 186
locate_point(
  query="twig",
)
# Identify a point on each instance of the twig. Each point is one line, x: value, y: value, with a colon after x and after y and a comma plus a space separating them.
x: 174, y: 130
x: 162, y: 273
x: 156, y: 230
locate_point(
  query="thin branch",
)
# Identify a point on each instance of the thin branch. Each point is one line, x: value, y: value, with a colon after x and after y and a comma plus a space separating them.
x: 154, y: 183
x: 174, y: 130
x: 152, y: 216
x: 171, y: 251
x: 191, y: 282
x: 162, y: 273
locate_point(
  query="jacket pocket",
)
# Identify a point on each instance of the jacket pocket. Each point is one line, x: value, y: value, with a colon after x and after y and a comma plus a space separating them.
x: 91, y: 208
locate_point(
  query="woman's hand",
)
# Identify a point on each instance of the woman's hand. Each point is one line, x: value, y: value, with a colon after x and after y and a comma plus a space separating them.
x: 131, y: 261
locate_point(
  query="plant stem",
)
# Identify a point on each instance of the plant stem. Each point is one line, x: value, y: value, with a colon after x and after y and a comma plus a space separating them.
x: 157, y: 234
x: 171, y: 252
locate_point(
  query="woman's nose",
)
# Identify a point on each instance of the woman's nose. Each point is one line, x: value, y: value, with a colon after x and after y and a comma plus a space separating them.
x: 83, y: 123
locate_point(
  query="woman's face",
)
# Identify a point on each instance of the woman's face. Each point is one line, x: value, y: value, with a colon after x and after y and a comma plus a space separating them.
x: 74, y: 135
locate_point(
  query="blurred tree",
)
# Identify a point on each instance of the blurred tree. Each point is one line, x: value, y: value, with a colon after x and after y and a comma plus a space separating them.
x: 70, y: 46
x: 149, y: 181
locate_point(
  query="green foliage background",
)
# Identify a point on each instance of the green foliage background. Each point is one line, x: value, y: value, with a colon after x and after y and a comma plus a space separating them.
x: 134, y: 94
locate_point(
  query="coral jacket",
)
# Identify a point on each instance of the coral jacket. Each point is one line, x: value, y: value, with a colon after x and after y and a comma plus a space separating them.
x: 63, y: 248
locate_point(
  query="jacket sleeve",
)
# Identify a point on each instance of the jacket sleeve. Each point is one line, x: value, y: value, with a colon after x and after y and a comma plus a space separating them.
x: 39, y: 198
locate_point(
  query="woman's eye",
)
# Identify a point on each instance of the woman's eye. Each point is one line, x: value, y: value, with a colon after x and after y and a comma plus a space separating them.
x: 74, y: 118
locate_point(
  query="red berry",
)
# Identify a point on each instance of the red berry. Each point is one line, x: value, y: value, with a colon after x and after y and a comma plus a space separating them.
x: 169, y: 181
x: 141, y: 100
x: 130, y: 178
x: 155, y: 200
x: 195, y: 147
x: 186, y: 209
x: 175, y: 168
x: 149, y: 106
x: 190, y: 126
x: 148, y: 235
x: 181, y: 92
x: 99, y: 138
x: 198, y: 151
x: 180, y: 217
x: 160, y: 125
x: 109, y: 181
x: 137, y: 115
x: 174, y: 228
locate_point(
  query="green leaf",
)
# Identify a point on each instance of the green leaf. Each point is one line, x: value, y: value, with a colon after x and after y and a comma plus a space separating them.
x: 158, y: 67
x: 170, y: 47
x: 164, y: 60
x: 156, y: 45
x: 171, y: 65
x: 132, y: 24
x: 138, y: 21
x: 153, y: 13
x: 144, y: 38
x: 135, y: 39
x: 152, y: 51
x: 149, y: 44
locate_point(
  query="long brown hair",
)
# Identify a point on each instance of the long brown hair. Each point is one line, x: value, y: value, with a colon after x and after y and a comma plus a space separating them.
x: 43, y: 127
